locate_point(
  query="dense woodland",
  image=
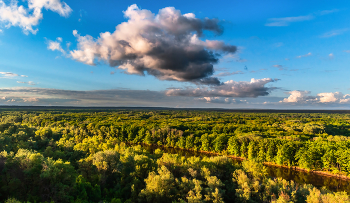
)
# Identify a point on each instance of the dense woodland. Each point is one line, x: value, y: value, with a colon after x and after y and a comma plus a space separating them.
x: 85, y: 156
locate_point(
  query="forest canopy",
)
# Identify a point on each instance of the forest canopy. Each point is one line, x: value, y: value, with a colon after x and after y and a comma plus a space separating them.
x: 96, y: 156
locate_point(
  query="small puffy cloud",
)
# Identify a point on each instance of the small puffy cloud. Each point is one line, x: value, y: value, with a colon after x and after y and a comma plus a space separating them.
x: 347, y: 51
x: 306, y: 55
x: 166, y: 45
x: 334, y: 33
x: 254, y: 88
x: 331, y: 56
x: 26, y: 18
x: 277, y: 22
x: 75, y: 33
x: 28, y: 83
x: 55, y: 45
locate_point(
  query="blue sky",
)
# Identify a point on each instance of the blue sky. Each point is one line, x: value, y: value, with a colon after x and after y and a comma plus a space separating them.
x: 226, y: 54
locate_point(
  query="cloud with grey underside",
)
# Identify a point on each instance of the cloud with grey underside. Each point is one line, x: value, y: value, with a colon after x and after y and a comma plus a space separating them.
x: 128, y: 97
x: 254, y: 88
x: 111, y: 97
x: 168, y: 45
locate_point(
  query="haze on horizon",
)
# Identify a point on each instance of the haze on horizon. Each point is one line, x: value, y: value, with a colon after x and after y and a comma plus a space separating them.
x: 205, y: 54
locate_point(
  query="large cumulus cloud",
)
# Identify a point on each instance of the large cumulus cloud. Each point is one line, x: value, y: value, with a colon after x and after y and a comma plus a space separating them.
x: 254, y: 88
x: 167, y: 45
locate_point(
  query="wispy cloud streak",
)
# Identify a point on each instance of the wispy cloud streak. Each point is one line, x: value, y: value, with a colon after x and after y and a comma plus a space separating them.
x: 277, y: 22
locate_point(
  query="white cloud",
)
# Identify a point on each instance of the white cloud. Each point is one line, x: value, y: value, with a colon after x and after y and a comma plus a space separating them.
x: 306, y: 55
x: 26, y: 18
x: 331, y: 56
x: 298, y: 97
x: 325, y: 12
x: 303, y: 97
x: 219, y: 100
x: 347, y: 51
x: 55, y: 45
x: 333, y: 97
x: 287, y: 20
x: 334, y: 33
x: 28, y: 83
x: 10, y: 75
x: 254, y: 88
